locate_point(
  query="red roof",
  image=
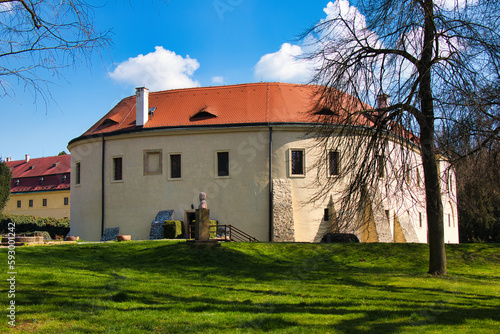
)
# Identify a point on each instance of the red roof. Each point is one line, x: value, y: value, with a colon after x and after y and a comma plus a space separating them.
x: 40, y: 174
x: 225, y: 105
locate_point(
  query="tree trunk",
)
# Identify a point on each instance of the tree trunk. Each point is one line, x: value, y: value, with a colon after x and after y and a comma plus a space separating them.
x: 437, y: 252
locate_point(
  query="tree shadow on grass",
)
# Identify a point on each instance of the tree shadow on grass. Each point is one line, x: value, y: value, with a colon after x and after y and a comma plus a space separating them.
x: 378, y: 307
x: 364, y: 313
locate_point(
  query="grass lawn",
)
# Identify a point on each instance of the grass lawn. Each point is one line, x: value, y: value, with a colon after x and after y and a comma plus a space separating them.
x: 173, y: 287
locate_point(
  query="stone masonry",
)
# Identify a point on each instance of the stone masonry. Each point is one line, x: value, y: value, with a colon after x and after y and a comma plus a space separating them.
x: 283, y: 224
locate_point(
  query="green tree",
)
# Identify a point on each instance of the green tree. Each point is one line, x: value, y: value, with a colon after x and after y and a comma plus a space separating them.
x: 437, y: 60
x: 5, y: 181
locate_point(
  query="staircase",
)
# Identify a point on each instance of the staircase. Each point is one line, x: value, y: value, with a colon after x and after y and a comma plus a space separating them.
x: 232, y: 233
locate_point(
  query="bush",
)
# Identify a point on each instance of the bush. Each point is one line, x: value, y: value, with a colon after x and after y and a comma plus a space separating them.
x: 339, y: 237
x: 173, y: 229
x: 29, y: 224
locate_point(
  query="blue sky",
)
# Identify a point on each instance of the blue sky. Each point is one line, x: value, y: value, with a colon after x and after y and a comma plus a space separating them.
x: 166, y: 45
x: 183, y: 43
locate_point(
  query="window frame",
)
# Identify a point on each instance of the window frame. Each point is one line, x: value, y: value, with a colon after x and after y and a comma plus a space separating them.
x: 19, y: 204
x: 30, y: 203
x: 114, y: 160
x: 380, y: 165
x: 217, y: 165
x: 44, y: 202
x: 66, y: 201
x: 145, y: 163
x: 337, y: 163
x: 291, y: 162
x: 170, y: 169
x: 78, y: 173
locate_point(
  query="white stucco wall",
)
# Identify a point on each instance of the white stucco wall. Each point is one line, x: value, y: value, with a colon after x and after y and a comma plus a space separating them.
x: 242, y: 199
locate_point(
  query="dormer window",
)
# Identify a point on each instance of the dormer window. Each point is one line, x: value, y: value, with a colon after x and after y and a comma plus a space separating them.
x: 151, y: 111
x: 325, y: 112
x: 203, y: 114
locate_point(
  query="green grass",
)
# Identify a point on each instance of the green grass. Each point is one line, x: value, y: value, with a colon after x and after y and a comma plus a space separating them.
x: 173, y: 287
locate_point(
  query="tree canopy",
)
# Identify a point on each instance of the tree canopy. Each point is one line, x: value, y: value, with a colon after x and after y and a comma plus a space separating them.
x: 5, y: 181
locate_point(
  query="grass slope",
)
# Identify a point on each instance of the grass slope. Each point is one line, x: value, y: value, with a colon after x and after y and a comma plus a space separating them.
x: 172, y: 287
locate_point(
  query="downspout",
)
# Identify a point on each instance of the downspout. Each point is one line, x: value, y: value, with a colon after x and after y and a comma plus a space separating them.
x: 102, y: 185
x: 271, y: 222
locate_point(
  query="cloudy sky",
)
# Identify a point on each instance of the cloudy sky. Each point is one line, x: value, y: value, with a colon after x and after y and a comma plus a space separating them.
x: 165, y: 45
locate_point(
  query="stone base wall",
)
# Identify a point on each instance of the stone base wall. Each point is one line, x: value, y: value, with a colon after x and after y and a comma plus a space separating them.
x: 283, y: 223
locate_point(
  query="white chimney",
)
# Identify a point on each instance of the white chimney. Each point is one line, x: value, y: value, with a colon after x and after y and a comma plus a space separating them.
x: 27, y: 157
x: 8, y: 159
x: 141, y: 106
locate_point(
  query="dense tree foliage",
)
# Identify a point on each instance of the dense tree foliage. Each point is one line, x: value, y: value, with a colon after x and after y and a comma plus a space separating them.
x: 5, y: 182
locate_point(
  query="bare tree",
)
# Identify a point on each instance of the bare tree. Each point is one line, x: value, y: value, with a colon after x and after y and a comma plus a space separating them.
x: 438, y: 62
x: 44, y: 36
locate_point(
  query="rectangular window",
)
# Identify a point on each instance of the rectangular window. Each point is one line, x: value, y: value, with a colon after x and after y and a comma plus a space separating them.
x: 153, y: 162
x: 297, y: 162
x: 66, y: 200
x: 44, y: 202
x: 77, y: 173
x: 380, y: 165
x: 449, y: 220
x: 117, y: 169
x: 175, y: 166
x: 30, y: 203
x: 333, y: 163
x: 222, y: 163
x: 420, y: 222
x: 18, y: 204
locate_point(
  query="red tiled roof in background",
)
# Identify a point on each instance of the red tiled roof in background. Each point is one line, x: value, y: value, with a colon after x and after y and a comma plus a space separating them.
x: 224, y: 105
x: 26, y: 176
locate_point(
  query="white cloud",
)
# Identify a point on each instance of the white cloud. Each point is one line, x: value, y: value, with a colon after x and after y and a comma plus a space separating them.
x: 284, y: 65
x: 158, y: 70
x: 455, y: 4
x: 218, y: 80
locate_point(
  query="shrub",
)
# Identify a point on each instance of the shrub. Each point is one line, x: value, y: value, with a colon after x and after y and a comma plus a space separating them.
x: 29, y: 224
x: 339, y: 237
x: 173, y: 229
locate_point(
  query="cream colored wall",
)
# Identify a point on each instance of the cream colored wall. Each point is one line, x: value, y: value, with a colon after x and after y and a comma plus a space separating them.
x: 86, y: 197
x: 308, y: 216
x: 55, y: 204
x: 449, y: 195
x: 403, y: 199
x: 242, y: 199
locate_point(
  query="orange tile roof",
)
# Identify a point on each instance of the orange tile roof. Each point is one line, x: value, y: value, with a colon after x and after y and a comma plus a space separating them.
x: 211, y: 106
x: 26, y: 176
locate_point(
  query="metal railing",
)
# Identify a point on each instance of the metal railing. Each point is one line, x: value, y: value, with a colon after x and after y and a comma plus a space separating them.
x: 225, y: 233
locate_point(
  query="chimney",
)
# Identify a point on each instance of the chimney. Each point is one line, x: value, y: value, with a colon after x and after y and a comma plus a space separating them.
x: 8, y: 159
x: 141, y: 106
x: 27, y: 157
x: 382, y: 100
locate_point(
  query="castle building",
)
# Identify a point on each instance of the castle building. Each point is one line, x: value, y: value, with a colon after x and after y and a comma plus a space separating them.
x: 244, y: 145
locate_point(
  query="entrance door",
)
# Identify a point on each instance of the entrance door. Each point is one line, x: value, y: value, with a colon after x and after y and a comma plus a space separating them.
x: 189, y: 217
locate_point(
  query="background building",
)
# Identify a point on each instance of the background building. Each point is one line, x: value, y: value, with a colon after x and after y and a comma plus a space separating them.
x: 246, y: 147
x: 40, y: 187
